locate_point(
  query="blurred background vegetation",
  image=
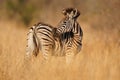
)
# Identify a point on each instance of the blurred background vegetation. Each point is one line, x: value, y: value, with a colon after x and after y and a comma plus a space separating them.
x: 100, y: 13
x: 99, y: 58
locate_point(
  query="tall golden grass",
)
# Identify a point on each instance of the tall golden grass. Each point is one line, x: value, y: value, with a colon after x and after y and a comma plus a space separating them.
x: 99, y: 58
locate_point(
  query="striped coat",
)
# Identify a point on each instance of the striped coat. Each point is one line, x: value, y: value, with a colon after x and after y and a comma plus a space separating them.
x: 64, y: 40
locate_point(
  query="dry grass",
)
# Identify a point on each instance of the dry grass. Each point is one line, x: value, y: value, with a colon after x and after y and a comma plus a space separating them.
x: 98, y: 60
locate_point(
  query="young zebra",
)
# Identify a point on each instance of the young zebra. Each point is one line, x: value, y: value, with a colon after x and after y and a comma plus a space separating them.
x: 65, y: 40
x: 40, y: 38
x: 70, y: 33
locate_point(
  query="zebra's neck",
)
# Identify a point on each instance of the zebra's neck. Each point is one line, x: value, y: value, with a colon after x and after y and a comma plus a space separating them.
x: 66, y: 25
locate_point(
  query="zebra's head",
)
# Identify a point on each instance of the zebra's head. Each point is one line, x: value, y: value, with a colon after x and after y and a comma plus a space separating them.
x: 71, y: 13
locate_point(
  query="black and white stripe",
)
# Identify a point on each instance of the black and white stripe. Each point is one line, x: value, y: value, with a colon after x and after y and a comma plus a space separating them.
x: 40, y: 38
x: 70, y: 33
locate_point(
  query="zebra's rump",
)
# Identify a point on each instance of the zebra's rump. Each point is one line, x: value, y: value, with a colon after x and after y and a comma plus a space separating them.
x: 40, y: 37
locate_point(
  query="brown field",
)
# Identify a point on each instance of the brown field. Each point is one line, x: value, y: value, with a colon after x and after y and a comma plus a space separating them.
x: 99, y: 58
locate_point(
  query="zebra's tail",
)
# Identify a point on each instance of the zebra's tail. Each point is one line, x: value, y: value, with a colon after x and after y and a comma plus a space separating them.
x: 33, y: 44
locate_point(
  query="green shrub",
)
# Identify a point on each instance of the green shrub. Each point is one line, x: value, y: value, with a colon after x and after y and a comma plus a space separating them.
x: 23, y: 8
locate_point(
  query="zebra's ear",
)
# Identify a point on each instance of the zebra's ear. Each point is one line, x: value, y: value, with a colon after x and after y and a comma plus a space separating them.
x: 68, y: 11
x: 77, y: 13
x: 64, y: 12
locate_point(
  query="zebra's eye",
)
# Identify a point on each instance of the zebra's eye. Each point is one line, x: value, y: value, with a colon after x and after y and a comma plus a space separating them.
x: 74, y: 11
x: 64, y: 22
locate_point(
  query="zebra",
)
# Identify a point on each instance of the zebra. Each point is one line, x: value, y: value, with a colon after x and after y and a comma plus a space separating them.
x: 64, y: 40
x: 70, y: 33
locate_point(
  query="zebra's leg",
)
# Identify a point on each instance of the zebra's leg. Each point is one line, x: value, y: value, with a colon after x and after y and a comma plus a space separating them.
x: 69, y: 51
x: 46, y: 52
x: 69, y: 58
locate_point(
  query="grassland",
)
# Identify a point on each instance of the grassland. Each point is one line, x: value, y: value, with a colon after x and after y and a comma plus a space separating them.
x: 99, y: 58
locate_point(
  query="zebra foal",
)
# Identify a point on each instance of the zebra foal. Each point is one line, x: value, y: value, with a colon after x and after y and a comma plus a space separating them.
x: 64, y: 40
